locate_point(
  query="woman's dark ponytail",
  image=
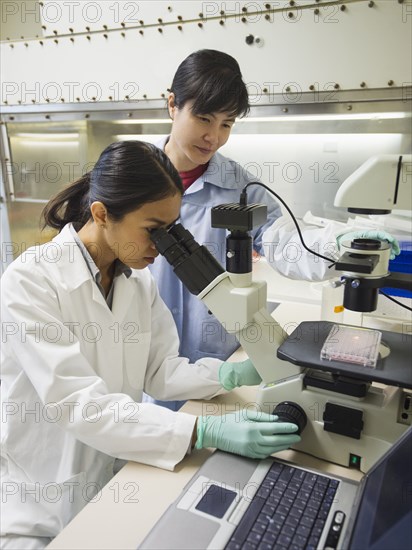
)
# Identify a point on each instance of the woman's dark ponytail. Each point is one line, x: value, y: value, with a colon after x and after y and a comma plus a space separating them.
x: 127, y: 175
x: 70, y: 205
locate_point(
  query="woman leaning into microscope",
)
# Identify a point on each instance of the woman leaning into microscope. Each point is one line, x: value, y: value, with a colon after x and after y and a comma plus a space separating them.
x: 84, y: 334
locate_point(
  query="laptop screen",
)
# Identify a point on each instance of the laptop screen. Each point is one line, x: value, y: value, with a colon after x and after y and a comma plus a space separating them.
x: 384, y: 517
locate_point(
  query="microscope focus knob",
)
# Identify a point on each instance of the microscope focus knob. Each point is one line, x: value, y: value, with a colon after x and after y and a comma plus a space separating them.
x: 288, y: 411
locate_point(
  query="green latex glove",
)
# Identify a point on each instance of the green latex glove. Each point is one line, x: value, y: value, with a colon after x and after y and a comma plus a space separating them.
x: 234, y: 375
x: 372, y: 234
x: 248, y: 433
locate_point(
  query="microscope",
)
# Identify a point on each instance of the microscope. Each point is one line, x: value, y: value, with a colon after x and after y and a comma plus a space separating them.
x: 354, y: 411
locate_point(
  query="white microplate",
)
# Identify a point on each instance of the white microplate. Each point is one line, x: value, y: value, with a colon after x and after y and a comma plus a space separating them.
x: 352, y: 345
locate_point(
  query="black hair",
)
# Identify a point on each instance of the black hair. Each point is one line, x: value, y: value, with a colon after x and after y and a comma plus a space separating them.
x: 127, y: 175
x: 213, y: 80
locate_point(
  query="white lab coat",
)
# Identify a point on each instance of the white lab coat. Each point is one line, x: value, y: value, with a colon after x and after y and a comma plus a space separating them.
x: 284, y: 251
x: 73, y: 372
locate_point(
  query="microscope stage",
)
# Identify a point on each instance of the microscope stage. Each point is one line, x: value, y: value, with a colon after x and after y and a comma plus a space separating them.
x: 303, y: 348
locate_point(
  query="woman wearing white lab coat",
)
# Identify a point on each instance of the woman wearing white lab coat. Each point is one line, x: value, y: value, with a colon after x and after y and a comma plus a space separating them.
x: 84, y: 332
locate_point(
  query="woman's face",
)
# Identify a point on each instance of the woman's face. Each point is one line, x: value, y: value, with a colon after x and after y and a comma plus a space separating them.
x: 129, y: 239
x: 195, y: 138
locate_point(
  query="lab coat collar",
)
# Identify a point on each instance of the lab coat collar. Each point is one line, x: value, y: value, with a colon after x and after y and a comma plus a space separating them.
x: 77, y: 273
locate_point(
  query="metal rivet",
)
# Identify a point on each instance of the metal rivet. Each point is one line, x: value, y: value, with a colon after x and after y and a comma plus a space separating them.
x: 244, y: 9
x: 200, y: 25
x: 86, y: 116
x: 11, y: 117
x: 160, y: 20
x: 88, y: 37
x: 343, y: 7
x: 47, y: 116
x: 160, y: 30
x: 6, y: 102
x: 105, y: 35
x: 400, y: 1
x: 162, y: 95
x: 221, y: 22
x: 349, y: 107
x: 140, y: 32
x: 291, y: 3
x: 287, y: 89
x: 169, y: 8
x: 111, y: 97
x: 390, y: 83
x: 11, y: 45
x: 285, y: 110
x: 371, y: 4
x: 267, y: 17
x: 222, y: 12
x: 243, y: 19
x: 41, y: 42
x: 47, y: 100
x: 180, y: 18
x: 290, y: 15
x: 336, y: 86
x: 123, y: 25
x: 71, y: 30
x: 72, y: 39
x: 123, y: 34
x: 77, y: 98
x: 93, y: 99
x: 55, y: 32
x: 144, y: 96
x: 179, y: 27
x: 316, y: 11
x: 62, y: 99
x: 265, y: 90
x: 363, y: 84
x: 105, y: 27
x: 129, y: 115
x: 201, y: 15
x: 33, y: 101
x: 311, y: 87
x: 141, y: 22
x: 267, y: 6
x: 126, y: 97
x: 56, y: 41
x: 44, y: 27
x: 88, y: 29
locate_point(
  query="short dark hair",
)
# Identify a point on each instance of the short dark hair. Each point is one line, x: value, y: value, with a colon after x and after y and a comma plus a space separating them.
x: 212, y: 79
x: 127, y: 175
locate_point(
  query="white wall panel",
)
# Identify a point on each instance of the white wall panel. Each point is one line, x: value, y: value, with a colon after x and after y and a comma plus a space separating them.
x: 359, y: 44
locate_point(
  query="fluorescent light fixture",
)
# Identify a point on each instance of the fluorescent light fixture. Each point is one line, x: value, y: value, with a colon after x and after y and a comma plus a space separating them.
x: 46, y: 136
x: 144, y: 121
x: 313, y: 118
x: 48, y: 144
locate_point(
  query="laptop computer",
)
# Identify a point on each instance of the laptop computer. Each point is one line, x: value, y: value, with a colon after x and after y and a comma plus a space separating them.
x: 237, y: 503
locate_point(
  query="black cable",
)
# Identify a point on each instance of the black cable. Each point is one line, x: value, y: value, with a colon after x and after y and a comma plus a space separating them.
x: 243, y: 201
x: 395, y: 301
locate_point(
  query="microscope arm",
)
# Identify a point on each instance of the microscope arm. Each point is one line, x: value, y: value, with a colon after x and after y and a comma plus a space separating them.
x: 242, y: 311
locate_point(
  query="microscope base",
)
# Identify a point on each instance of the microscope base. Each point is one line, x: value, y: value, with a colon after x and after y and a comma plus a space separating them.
x: 380, y: 418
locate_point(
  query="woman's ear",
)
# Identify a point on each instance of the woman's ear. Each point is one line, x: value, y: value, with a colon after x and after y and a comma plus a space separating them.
x: 171, y: 105
x: 99, y: 213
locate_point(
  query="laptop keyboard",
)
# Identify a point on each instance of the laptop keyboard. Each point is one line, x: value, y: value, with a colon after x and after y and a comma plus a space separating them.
x: 288, y: 512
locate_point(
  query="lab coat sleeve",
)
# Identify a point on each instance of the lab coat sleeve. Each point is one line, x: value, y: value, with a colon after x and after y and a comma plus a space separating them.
x: 284, y: 251
x: 170, y: 377
x: 68, y: 387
